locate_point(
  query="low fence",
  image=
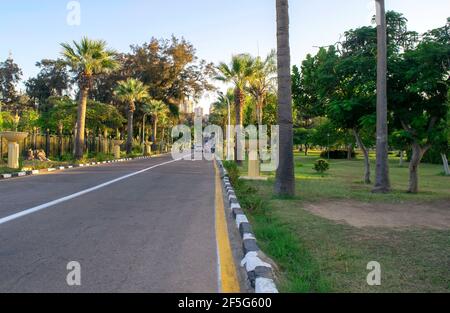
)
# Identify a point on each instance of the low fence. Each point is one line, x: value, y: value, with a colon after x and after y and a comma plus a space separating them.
x: 55, y: 146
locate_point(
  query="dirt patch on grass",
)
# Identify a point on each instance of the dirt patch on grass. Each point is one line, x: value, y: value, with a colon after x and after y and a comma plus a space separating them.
x: 435, y: 215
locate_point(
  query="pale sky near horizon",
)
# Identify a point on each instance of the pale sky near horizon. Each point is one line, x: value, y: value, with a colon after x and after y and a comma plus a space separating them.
x: 33, y: 29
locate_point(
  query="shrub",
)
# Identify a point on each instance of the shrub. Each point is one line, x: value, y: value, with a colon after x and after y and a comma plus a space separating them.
x: 321, y: 166
x: 337, y: 154
x: 233, y: 171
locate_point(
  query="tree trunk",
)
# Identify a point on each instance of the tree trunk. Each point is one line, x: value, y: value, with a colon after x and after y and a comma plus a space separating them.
x: 417, y: 154
x: 306, y: 150
x: 60, y: 141
x: 366, y: 157
x: 445, y: 163
x: 130, y: 132
x: 402, y: 158
x: 238, y: 100
x: 155, y: 132
x: 382, y: 183
x: 259, y: 109
x: 81, y: 123
x: 285, y: 179
x: 350, y: 152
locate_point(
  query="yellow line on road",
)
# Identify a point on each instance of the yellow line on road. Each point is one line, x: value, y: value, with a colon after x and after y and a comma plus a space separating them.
x: 229, y: 282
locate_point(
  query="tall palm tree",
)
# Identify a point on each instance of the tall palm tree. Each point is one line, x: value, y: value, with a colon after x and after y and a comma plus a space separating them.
x: 285, y: 180
x: 382, y: 171
x: 262, y: 81
x: 87, y: 59
x: 238, y: 72
x: 130, y: 91
x: 158, y: 109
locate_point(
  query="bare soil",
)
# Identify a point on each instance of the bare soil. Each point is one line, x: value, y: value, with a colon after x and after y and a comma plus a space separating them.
x: 434, y: 215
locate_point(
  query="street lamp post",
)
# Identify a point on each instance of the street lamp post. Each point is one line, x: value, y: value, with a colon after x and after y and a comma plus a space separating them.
x: 229, y: 126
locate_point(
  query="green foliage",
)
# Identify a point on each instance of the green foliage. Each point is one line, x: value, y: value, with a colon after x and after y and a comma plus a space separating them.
x: 321, y: 166
x: 88, y: 58
x: 233, y: 171
x: 10, y: 74
x: 6, y: 121
x: 131, y: 91
x: 29, y: 119
x: 100, y: 116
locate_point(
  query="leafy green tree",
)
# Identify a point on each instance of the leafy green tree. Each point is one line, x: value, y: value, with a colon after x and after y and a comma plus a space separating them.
x: 262, y: 82
x: 52, y: 80
x: 171, y: 70
x: 419, y: 88
x: 87, y: 59
x: 131, y: 91
x: 6, y: 121
x: 103, y: 117
x: 285, y: 178
x: 10, y: 75
x: 29, y: 120
x: 238, y: 72
x: 304, y: 137
x: 159, y: 109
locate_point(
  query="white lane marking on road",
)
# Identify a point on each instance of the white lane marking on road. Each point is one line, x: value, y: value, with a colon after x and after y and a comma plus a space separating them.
x: 78, y: 194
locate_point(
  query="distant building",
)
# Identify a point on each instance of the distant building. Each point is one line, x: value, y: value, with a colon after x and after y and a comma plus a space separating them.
x: 187, y: 106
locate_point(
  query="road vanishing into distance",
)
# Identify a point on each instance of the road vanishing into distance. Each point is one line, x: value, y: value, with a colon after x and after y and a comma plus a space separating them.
x: 151, y: 231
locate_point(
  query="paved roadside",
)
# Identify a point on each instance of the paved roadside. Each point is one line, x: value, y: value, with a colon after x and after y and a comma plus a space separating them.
x: 145, y: 233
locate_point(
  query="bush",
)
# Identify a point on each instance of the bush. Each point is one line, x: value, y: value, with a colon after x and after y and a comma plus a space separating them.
x: 337, y: 154
x: 233, y: 171
x: 321, y: 166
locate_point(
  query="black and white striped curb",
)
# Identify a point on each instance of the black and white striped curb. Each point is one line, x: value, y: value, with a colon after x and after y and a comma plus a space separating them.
x: 259, y: 273
x: 62, y: 168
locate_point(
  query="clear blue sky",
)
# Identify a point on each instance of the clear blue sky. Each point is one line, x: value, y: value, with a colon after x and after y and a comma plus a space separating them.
x: 33, y: 29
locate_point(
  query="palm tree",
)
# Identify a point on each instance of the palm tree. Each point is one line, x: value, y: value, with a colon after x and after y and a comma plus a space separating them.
x: 87, y: 59
x: 237, y: 72
x: 261, y: 82
x: 382, y: 172
x: 131, y: 91
x: 158, y: 109
x: 285, y: 180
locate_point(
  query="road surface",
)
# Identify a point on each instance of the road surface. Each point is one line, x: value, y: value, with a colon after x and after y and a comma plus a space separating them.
x: 151, y: 232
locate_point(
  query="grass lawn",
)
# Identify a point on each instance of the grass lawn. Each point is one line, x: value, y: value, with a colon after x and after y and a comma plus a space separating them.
x: 318, y: 254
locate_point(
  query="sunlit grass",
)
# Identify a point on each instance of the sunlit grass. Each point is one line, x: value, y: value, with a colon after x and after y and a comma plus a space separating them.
x: 318, y: 255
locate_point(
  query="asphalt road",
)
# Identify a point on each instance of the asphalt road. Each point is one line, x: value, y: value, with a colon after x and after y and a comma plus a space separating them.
x: 152, y: 232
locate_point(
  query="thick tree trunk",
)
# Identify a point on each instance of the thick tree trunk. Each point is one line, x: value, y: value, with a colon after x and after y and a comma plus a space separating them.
x: 382, y: 183
x: 366, y: 157
x: 81, y: 123
x: 130, y: 132
x: 445, y: 163
x: 417, y: 154
x: 285, y: 179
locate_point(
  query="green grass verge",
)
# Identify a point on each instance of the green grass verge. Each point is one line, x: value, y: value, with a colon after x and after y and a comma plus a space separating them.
x: 315, y: 254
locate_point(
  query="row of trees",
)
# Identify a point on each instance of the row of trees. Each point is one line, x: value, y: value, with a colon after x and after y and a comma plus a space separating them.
x: 149, y: 82
x: 339, y: 85
x: 336, y: 94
